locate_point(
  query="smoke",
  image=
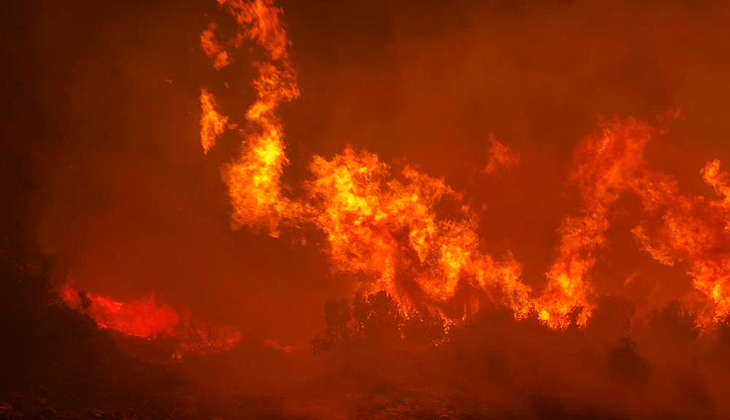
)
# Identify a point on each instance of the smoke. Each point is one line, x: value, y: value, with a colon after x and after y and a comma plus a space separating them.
x: 138, y: 210
x: 103, y: 174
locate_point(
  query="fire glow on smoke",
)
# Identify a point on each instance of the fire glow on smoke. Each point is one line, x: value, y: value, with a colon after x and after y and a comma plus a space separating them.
x: 388, y: 225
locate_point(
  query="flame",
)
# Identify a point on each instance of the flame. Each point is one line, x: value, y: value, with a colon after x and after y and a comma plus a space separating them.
x: 499, y: 155
x: 143, y: 318
x: 604, y: 165
x: 258, y: 20
x: 687, y: 228
x: 254, y: 178
x: 212, y: 124
x: 388, y: 227
x: 720, y: 182
x: 212, y: 48
x: 677, y: 227
x: 375, y: 224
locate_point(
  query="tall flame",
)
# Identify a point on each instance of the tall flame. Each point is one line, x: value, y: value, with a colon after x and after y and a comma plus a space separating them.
x: 676, y: 226
x: 604, y: 165
x: 375, y: 224
x: 687, y: 228
x: 387, y: 227
x: 254, y: 178
x: 212, y: 123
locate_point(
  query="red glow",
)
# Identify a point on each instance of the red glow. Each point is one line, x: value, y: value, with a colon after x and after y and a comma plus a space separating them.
x: 144, y: 318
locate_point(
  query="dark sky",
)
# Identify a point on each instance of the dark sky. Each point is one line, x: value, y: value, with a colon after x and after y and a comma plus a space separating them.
x: 102, y: 171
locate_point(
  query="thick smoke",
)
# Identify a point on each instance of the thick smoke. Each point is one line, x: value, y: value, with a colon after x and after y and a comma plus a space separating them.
x: 589, y: 280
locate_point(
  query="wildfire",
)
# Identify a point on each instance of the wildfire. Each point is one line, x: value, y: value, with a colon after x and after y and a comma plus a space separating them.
x: 389, y: 227
x: 675, y: 227
x: 212, y: 48
x: 143, y: 318
x: 683, y: 227
x: 720, y: 181
x: 385, y: 225
x: 603, y: 165
x: 212, y: 124
x: 253, y: 179
x: 376, y: 224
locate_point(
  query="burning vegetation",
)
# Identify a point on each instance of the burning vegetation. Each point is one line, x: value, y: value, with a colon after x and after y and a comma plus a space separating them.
x: 426, y: 313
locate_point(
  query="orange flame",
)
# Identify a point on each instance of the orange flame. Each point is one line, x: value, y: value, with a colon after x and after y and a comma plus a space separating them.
x: 677, y: 226
x: 212, y: 124
x: 212, y: 48
x: 499, y: 155
x: 375, y: 225
x: 720, y: 181
x: 604, y: 165
x: 254, y: 178
x: 388, y: 228
x: 692, y: 229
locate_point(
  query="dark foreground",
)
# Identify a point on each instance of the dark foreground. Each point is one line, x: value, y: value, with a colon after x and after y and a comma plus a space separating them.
x: 369, y: 364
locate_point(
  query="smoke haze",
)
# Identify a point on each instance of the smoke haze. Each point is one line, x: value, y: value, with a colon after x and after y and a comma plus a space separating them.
x: 106, y: 183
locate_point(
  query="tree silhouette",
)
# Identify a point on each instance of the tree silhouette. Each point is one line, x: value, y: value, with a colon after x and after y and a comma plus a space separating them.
x: 424, y: 327
x: 626, y: 364
x: 723, y: 331
x: 674, y: 324
x: 377, y: 318
x: 337, y: 331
